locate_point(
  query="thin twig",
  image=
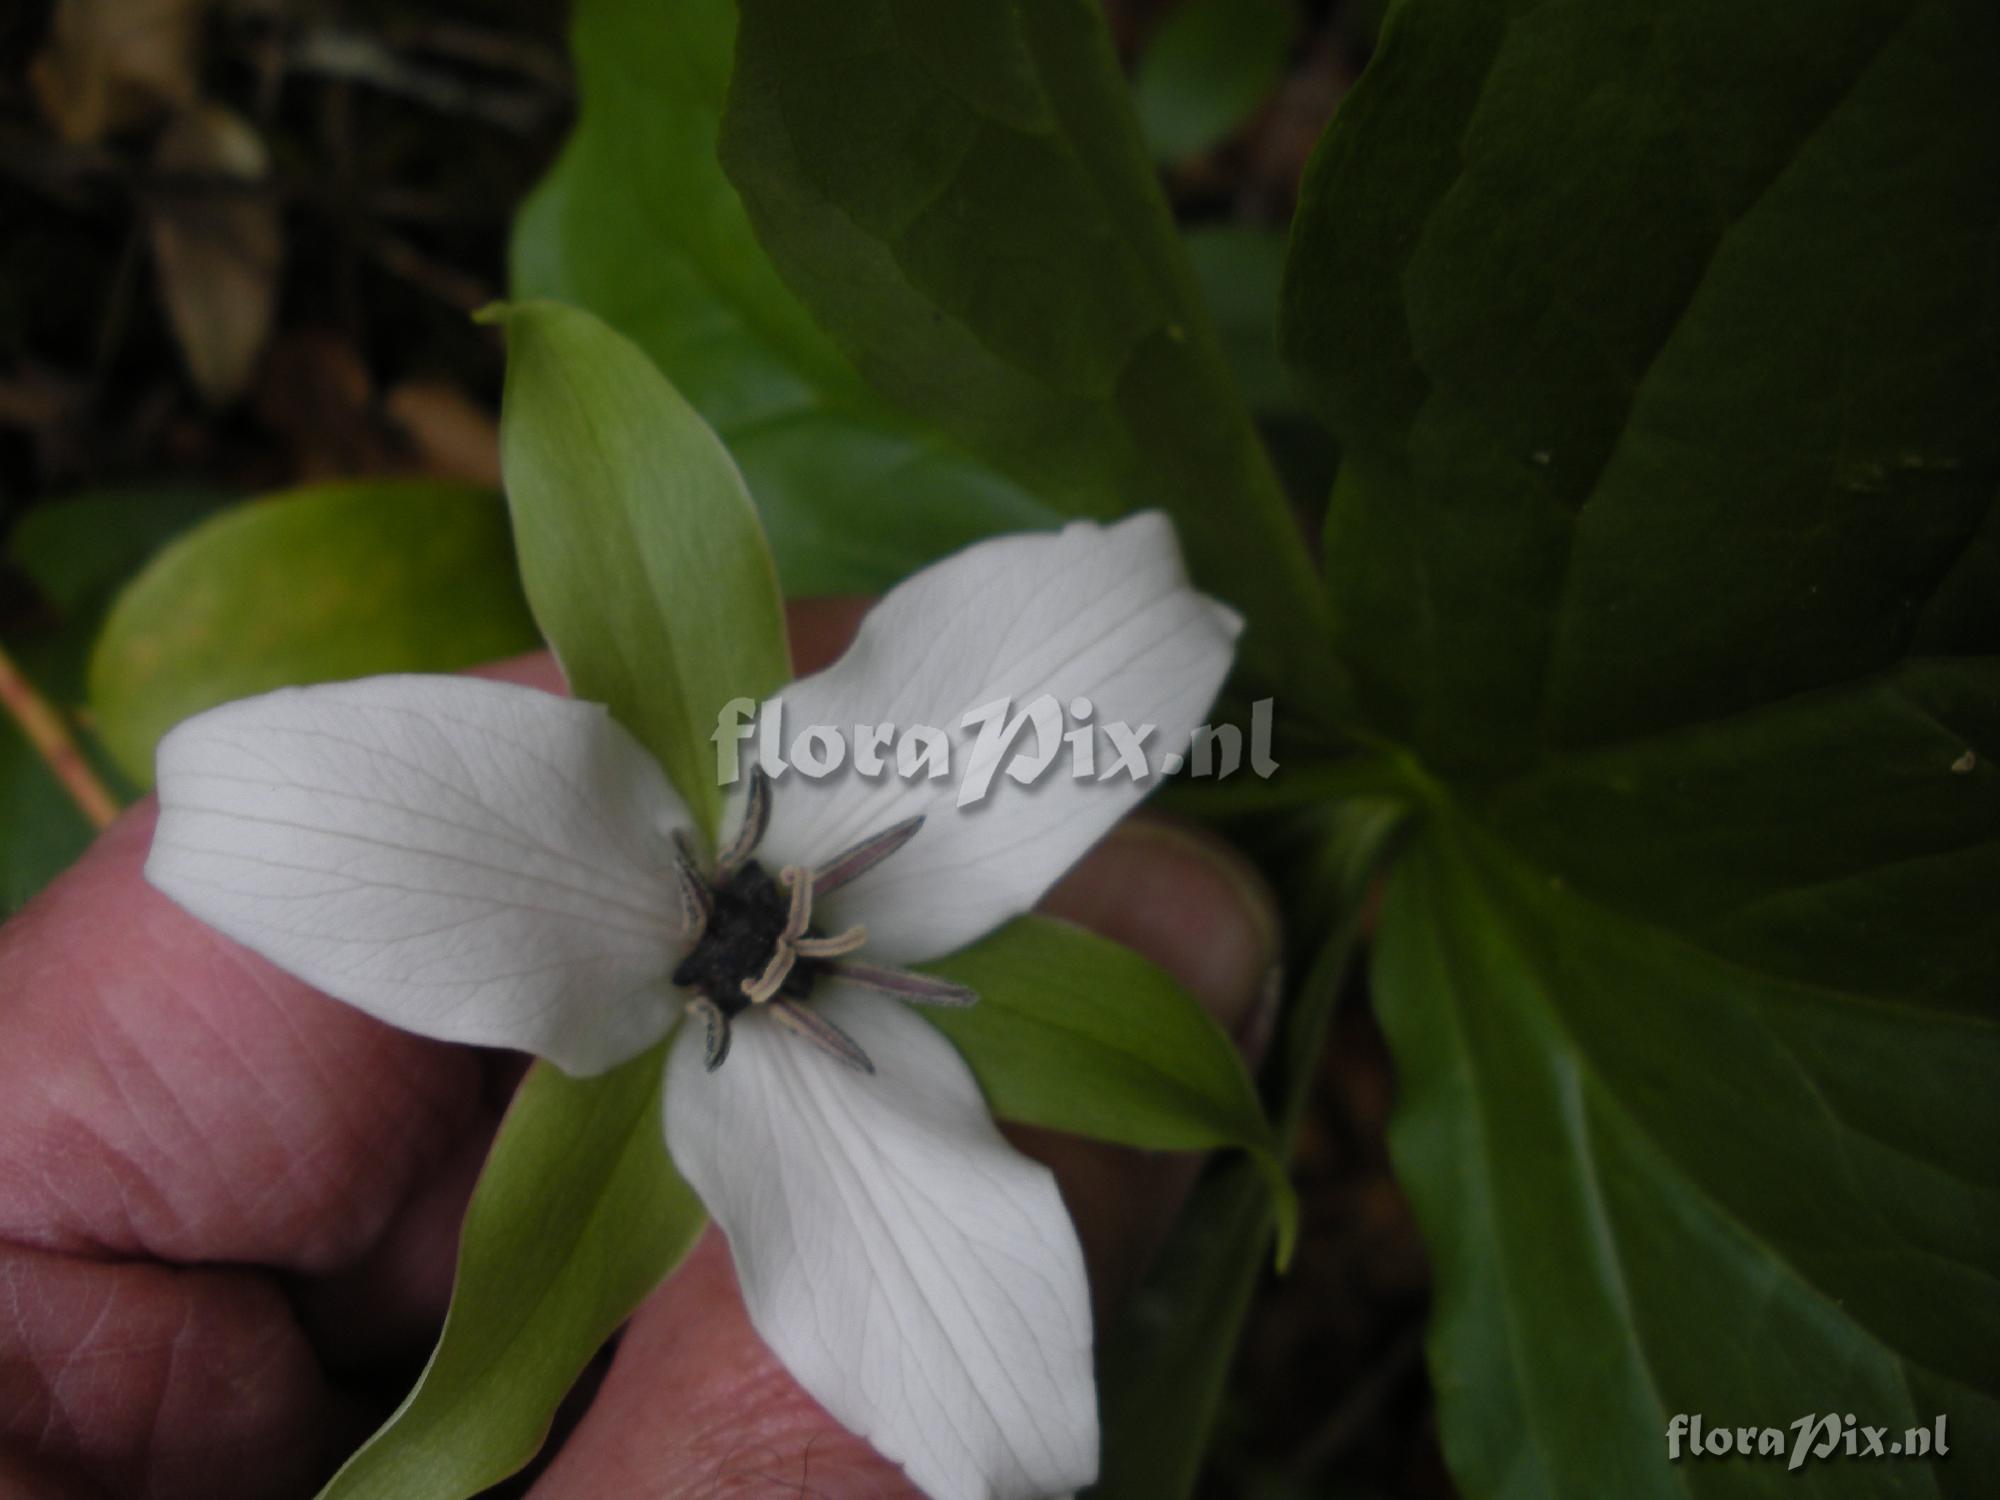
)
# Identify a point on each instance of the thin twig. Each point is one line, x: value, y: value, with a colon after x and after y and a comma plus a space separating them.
x: 493, y: 50
x: 357, y: 58
x: 118, y: 306
x: 449, y: 285
x: 53, y: 742
x: 89, y: 179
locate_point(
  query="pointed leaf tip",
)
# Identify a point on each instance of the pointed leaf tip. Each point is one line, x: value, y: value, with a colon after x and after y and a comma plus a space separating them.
x: 642, y: 555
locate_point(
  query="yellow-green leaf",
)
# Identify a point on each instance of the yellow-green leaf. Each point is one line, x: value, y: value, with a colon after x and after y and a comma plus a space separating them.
x: 315, y: 585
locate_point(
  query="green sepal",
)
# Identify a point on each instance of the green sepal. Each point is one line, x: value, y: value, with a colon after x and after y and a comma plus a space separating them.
x: 642, y: 554
x: 1074, y: 1032
x: 578, y: 1215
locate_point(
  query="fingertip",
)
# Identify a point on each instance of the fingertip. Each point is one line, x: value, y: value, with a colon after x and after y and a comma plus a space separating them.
x: 535, y: 669
x: 821, y: 629
x: 695, y: 1404
x: 1193, y: 905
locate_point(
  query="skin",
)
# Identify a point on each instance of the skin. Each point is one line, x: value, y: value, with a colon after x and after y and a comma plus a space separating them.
x: 224, y: 1195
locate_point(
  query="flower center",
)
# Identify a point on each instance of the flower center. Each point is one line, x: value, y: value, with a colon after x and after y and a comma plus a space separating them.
x: 747, y: 917
x: 755, y: 945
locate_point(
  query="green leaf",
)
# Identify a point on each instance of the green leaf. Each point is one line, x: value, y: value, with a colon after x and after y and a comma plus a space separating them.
x: 638, y: 224
x: 1207, y: 69
x: 1848, y: 837
x: 1164, y: 1364
x: 41, y: 831
x: 79, y: 548
x: 959, y: 192
x: 1656, y: 1182
x: 337, y: 581
x: 578, y: 1215
x: 1241, y: 268
x: 79, y: 551
x: 639, y: 545
x: 76, y: 551
x: 1596, y: 355
x: 1656, y: 339
x: 1076, y: 1033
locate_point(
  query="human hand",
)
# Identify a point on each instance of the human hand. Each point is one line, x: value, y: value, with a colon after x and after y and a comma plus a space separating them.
x: 225, y: 1197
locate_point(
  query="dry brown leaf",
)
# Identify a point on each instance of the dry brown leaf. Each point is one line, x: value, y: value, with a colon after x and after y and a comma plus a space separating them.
x: 113, y: 64
x: 451, y: 435
x: 218, y: 248
x: 315, y: 392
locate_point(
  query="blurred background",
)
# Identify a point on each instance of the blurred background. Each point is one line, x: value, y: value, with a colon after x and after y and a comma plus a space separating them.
x: 247, y: 432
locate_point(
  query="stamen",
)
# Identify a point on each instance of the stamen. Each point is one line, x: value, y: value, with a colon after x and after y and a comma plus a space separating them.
x: 750, y: 832
x: 905, y: 984
x: 799, y: 919
x: 718, y: 1029
x: 696, y: 903
x: 831, y: 947
x: 823, y: 1034
x: 729, y: 918
x: 760, y: 990
x: 860, y: 858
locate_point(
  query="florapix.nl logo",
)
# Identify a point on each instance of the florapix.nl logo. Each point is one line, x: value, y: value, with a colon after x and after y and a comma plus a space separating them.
x: 1045, y: 737
x: 1815, y: 1436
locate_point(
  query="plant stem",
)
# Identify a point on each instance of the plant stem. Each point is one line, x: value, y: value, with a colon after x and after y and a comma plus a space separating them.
x: 53, y: 742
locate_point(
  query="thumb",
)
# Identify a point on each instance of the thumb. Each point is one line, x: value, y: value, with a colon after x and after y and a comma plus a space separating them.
x: 695, y: 1404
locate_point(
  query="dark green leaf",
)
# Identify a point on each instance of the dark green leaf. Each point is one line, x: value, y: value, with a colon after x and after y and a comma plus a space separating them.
x: 339, y: 581
x: 1206, y: 70
x: 1164, y: 1364
x: 577, y: 1216
x: 1657, y: 341
x: 1848, y: 837
x: 958, y: 191
x: 1077, y: 1033
x: 76, y: 551
x: 41, y: 831
x: 1640, y: 428
x: 1656, y: 1182
x: 639, y: 545
x: 1240, y: 268
x: 638, y: 224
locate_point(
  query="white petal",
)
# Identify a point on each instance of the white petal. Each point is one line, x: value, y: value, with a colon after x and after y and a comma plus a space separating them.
x: 1100, y: 613
x: 914, y: 1272
x: 470, y: 860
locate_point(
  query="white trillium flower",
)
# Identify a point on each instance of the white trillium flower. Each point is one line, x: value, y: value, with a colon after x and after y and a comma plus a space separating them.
x: 486, y: 863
